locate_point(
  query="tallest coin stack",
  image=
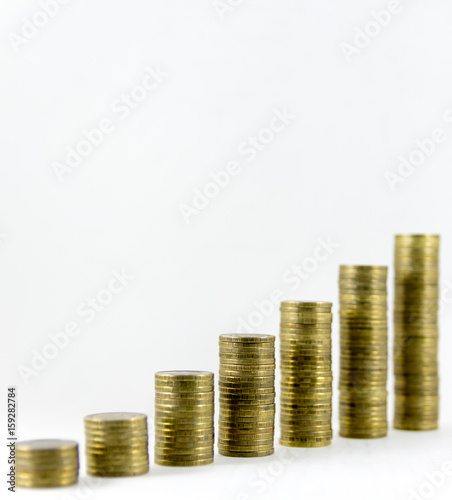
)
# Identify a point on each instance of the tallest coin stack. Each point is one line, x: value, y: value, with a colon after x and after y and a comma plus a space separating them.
x: 416, y: 332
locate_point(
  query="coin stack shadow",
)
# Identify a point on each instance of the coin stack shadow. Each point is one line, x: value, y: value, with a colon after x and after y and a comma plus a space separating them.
x: 363, y: 351
x: 184, y: 411
x: 416, y: 332
x: 247, y: 395
x: 46, y: 463
x: 116, y: 444
x: 306, y: 375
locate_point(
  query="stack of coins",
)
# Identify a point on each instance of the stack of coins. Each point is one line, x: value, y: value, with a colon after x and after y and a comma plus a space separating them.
x: 247, y: 395
x: 46, y: 462
x: 116, y: 444
x: 184, y: 410
x: 364, y: 351
x: 306, y: 376
x: 416, y: 332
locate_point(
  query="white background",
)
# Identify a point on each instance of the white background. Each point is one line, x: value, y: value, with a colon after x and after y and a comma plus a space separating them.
x: 322, y: 177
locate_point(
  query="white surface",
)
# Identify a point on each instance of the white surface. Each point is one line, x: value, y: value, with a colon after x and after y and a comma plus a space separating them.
x: 321, y: 177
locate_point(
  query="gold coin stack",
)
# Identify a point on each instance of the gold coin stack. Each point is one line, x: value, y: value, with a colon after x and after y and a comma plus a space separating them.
x: 46, y: 463
x: 363, y: 351
x: 306, y: 376
x: 247, y: 395
x: 416, y: 332
x: 116, y: 444
x: 184, y: 410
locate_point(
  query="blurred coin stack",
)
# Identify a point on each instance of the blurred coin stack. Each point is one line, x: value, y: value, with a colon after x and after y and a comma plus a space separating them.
x: 46, y: 463
x: 363, y: 351
x: 306, y: 376
x: 184, y: 410
x: 116, y: 444
x: 416, y: 332
x: 247, y: 395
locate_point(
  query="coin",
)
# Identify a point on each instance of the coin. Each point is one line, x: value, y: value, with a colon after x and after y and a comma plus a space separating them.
x: 246, y: 394
x: 182, y: 462
x: 227, y: 452
x: 363, y: 351
x: 415, y: 351
x: 184, y: 433
x: 306, y: 305
x: 116, y: 444
x: 254, y: 338
x: 306, y: 376
x: 305, y: 443
x: 46, y: 463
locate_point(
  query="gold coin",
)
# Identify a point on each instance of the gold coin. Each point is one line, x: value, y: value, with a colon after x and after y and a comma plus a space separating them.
x: 185, y: 463
x: 305, y: 305
x: 246, y: 338
x: 243, y: 454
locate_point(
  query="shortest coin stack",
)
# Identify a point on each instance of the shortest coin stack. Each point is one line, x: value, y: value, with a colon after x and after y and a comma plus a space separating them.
x: 184, y: 409
x: 116, y: 444
x: 247, y: 395
x: 46, y: 463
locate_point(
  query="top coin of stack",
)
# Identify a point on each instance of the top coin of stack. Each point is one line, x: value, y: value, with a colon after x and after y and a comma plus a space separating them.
x: 47, y: 462
x: 116, y: 444
x: 416, y: 332
x: 184, y: 410
x: 306, y: 376
x: 247, y: 395
x: 363, y: 358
